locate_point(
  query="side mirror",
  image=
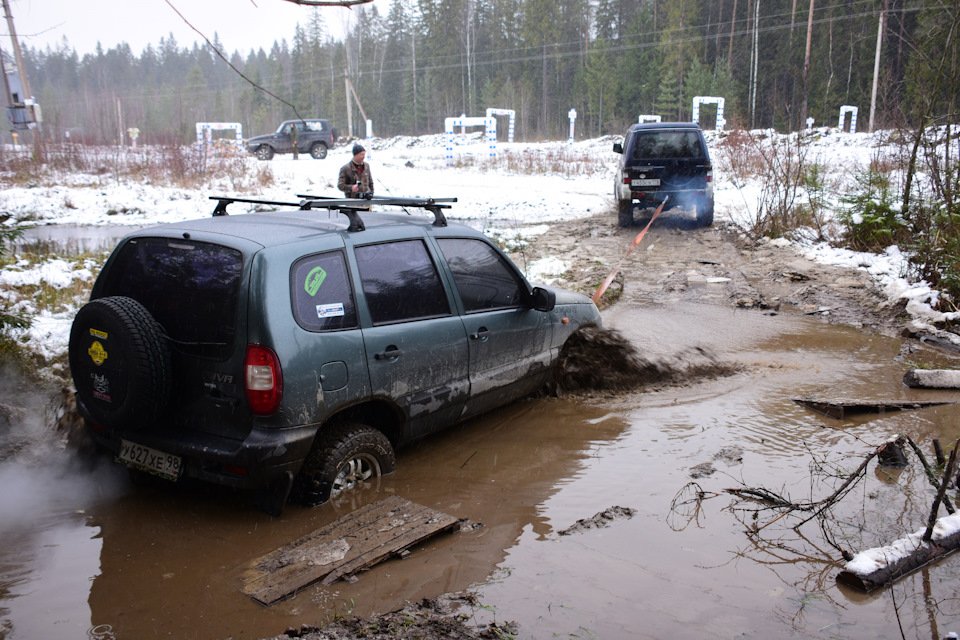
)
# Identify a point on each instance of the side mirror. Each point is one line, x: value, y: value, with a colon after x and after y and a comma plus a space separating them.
x: 543, y: 299
x: 617, y: 147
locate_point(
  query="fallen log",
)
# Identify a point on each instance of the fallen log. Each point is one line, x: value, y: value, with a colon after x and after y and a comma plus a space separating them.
x: 881, y: 566
x: 840, y: 408
x: 932, y: 379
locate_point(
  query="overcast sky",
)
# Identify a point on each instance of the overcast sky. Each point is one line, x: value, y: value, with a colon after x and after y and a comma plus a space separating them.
x: 241, y: 24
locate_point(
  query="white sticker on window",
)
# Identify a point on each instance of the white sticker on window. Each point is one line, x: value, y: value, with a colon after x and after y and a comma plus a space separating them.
x: 330, y: 310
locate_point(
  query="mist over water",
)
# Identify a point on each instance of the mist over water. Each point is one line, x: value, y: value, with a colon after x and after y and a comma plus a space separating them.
x: 41, y: 479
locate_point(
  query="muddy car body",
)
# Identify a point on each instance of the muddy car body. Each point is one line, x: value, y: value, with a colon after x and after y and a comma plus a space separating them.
x: 295, y: 350
x: 316, y: 137
x: 664, y: 163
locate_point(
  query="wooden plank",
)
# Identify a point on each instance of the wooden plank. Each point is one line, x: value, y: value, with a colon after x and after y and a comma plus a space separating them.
x: 840, y: 408
x: 353, y: 542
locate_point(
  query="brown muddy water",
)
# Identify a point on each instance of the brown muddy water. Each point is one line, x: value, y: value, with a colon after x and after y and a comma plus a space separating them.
x: 87, y: 553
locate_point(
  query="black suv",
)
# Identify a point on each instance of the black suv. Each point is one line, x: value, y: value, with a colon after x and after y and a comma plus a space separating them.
x: 316, y: 137
x: 664, y: 162
x: 294, y: 350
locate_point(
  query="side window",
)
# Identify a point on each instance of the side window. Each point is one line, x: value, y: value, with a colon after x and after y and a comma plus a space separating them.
x: 483, y: 278
x: 400, y: 282
x: 321, y: 293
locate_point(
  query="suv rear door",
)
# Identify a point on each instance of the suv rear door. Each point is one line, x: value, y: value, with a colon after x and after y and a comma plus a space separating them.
x: 416, y: 347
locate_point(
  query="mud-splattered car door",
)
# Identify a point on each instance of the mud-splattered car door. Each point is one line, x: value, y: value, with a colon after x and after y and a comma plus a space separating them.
x: 416, y: 346
x: 509, y: 341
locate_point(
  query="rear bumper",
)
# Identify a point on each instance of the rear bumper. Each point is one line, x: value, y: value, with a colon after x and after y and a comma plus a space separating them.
x: 653, y: 197
x: 256, y: 462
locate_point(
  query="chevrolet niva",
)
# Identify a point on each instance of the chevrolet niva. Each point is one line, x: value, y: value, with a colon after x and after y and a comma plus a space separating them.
x: 288, y: 353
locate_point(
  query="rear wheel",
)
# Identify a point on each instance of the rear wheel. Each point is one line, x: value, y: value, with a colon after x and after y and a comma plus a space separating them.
x: 705, y: 212
x: 264, y: 152
x: 625, y: 213
x: 318, y: 151
x: 343, y: 458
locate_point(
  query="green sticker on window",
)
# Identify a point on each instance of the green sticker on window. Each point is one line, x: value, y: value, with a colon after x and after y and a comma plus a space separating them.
x: 314, y: 279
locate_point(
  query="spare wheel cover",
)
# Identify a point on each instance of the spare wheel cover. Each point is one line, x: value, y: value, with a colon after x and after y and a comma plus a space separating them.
x: 120, y: 362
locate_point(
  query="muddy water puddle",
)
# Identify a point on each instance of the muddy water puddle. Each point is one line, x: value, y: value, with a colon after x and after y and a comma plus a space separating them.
x: 92, y: 555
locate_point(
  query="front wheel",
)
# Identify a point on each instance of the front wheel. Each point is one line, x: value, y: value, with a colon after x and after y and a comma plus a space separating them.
x: 264, y: 152
x: 318, y: 151
x: 343, y: 458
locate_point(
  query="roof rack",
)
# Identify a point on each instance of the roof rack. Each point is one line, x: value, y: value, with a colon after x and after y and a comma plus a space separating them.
x: 433, y: 205
x: 349, y: 207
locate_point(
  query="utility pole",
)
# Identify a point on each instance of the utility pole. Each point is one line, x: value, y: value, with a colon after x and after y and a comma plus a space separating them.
x: 346, y: 89
x: 806, y: 66
x: 876, y: 67
x: 29, y: 104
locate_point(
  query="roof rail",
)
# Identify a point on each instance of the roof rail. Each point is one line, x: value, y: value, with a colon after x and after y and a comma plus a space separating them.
x: 349, y: 207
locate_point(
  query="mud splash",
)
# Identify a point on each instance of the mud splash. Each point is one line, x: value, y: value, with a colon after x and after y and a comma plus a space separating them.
x: 597, y: 359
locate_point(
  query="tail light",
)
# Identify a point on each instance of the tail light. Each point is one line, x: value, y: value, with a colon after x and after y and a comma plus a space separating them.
x: 709, y: 176
x: 263, y: 380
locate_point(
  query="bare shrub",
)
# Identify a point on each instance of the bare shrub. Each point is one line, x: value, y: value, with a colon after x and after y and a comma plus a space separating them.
x: 170, y: 164
x: 739, y: 157
x: 528, y: 162
x: 792, y: 189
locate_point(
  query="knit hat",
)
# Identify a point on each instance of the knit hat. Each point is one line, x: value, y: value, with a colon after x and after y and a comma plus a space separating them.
x: 357, y: 148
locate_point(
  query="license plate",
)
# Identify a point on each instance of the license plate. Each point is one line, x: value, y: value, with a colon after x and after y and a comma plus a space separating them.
x: 645, y: 182
x: 162, y: 464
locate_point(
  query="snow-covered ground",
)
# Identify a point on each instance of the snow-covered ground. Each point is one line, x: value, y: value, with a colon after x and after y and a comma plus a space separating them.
x: 557, y: 181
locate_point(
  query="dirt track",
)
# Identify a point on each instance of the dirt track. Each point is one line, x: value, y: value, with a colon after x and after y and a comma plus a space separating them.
x: 673, y: 263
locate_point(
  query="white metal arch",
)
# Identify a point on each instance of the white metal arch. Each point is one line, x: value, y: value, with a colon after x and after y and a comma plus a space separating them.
x: 699, y: 100
x: 490, y: 127
x: 205, y: 131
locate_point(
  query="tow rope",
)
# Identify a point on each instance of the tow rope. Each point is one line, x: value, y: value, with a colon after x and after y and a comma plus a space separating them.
x: 613, y: 274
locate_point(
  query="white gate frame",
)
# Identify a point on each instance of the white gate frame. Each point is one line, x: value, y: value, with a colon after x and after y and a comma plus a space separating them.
x: 490, y: 125
x: 205, y: 131
x: 699, y: 100
x: 648, y: 118
x: 504, y: 112
x: 572, y: 114
x: 844, y: 110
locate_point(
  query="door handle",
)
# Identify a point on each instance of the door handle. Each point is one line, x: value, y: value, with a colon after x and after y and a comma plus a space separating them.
x: 481, y: 334
x: 389, y: 354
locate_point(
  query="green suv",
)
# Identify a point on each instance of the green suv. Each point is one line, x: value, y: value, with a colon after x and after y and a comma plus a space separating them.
x: 290, y: 352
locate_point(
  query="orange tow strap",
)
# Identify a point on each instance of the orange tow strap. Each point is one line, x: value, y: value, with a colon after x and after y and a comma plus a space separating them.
x: 613, y: 274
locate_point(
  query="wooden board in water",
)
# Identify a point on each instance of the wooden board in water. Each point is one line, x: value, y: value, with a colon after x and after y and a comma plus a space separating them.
x: 840, y: 408
x: 356, y: 541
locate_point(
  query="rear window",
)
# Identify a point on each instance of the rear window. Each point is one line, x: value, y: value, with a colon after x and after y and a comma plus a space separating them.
x: 667, y: 144
x: 191, y: 288
x: 322, y: 295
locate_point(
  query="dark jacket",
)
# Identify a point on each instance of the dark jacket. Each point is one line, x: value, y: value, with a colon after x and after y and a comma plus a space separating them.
x: 349, y: 177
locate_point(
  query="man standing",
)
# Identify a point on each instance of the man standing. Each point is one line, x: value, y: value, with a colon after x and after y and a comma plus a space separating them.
x: 355, y: 180
x: 295, y: 139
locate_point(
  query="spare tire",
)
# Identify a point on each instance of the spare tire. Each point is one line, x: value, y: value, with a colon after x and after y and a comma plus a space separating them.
x: 120, y: 362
